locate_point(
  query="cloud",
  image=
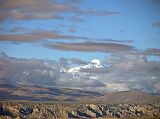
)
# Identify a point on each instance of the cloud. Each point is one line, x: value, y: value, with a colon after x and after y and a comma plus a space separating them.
x: 80, y: 83
x: 18, y: 71
x: 92, y: 47
x: 94, y: 70
x: 63, y: 62
x: 38, y: 35
x: 117, y: 41
x: 152, y: 51
x: 125, y: 61
x: 133, y: 70
x: 92, y: 12
x: 28, y: 10
x: 116, y: 87
x: 125, y: 71
x: 27, y: 71
x: 157, y: 24
x: 157, y: 86
x: 21, y: 9
x: 76, y: 61
x: 17, y: 10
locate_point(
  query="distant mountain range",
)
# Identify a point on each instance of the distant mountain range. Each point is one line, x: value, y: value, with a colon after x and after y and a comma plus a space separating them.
x: 36, y: 93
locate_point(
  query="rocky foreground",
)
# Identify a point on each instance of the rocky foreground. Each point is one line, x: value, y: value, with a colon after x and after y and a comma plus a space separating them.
x: 32, y: 110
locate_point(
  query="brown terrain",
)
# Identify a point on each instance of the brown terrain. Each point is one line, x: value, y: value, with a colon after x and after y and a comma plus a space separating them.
x: 32, y: 102
x: 34, y: 110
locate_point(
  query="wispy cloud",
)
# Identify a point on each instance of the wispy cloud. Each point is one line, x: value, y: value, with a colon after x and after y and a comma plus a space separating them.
x: 28, y: 10
x: 92, y: 12
x: 21, y: 9
x: 38, y: 35
x: 92, y: 47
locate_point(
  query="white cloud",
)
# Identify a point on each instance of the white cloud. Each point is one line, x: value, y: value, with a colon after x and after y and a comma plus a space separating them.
x: 116, y: 87
x: 126, y: 72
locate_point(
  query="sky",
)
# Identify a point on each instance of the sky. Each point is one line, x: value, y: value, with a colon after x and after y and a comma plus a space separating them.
x: 135, y: 23
x: 77, y: 31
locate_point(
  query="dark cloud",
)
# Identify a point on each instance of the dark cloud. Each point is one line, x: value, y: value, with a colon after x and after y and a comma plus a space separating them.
x: 37, y: 35
x: 92, y: 47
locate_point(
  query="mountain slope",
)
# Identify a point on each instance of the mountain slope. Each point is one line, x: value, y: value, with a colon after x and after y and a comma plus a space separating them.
x: 37, y: 93
x: 133, y: 96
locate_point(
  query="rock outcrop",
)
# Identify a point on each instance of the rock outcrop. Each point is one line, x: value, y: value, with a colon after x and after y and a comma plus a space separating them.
x: 32, y: 110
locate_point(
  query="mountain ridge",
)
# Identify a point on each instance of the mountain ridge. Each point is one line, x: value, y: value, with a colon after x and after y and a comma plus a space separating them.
x: 37, y: 93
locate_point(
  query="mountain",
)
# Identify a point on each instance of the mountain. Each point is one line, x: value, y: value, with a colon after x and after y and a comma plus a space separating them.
x: 94, y: 64
x: 37, y: 93
x: 133, y: 96
x: 52, y: 102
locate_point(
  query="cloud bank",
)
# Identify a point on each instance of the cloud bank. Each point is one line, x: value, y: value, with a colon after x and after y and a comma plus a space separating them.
x: 123, y: 72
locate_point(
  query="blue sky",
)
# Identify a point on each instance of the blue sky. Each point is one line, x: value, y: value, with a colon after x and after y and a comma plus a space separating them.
x: 47, y: 38
x: 129, y: 22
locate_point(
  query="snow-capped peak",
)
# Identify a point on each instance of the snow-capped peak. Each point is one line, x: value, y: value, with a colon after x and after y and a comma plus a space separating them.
x: 95, y: 63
